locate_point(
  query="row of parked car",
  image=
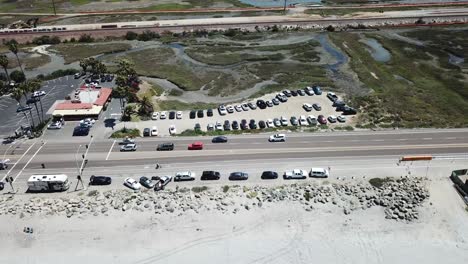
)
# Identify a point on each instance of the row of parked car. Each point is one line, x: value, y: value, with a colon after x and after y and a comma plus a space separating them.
x: 158, y: 183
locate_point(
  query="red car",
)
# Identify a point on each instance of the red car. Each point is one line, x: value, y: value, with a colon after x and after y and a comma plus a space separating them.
x: 195, y: 146
x: 322, y: 120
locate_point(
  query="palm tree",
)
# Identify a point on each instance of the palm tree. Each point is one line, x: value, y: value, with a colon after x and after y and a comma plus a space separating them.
x: 26, y: 87
x: 35, y: 85
x: 13, y: 47
x: 4, y: 64
x: 121, y: 92
x: 146, y: 107
x: 17, y: 94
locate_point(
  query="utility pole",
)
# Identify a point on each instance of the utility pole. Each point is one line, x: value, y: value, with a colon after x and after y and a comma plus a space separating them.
x: 285, y: 6
x: 83, y: 164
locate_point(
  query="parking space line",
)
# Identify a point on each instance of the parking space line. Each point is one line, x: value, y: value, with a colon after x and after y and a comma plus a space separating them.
x: 110, y: 150
x: 27, y: 163
x: 14, y: 165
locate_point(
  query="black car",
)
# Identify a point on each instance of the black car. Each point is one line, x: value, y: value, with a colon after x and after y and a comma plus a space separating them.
x: 293, y: 93
x: 109, y: 77
x: 147, y: 183
x: 219, y: 139
x: 87, y: 81
x: 317, y: 107
x: 317, y: 90
x: 200, y: 114
x: 227, y: 125
x: 210, y: 175
x: 172, y: 115
x: 238, y: 176
x: 252, y: 106
x: 32, y: 100
x: 338, y: 103
x: 103, y: 79
x: 197, y: 127
x: 349, y: 111
x: 165, y: 146
x: 209, y: 112
x: 235, y: 125
x: 294, y: 121
x: 100, y: 180
x: 301, y: 92
x: 252, y: 124
x: 269, y: 175
x: 146, y: 132
x: 261, y: 124
x: 80, y: 131
x: 193, y: 113
x: 2, y: 186
x: 261, y: 104
x: 244, y: 124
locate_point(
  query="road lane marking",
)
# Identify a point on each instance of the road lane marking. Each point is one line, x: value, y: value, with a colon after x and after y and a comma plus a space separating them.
x: 450, y: 138
x: 14, y: 165
x: 110, y: 150
x: 427, y: 138
x: 27, y: 163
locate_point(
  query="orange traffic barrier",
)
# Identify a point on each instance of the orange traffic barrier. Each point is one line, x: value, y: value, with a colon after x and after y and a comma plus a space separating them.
x: 414, y: 158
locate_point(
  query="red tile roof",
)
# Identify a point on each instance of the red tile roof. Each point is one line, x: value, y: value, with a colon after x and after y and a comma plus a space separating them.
x: 103, y: 96
x: 68, y: 105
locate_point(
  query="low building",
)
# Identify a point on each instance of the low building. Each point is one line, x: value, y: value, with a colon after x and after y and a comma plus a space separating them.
x: 86, y: 102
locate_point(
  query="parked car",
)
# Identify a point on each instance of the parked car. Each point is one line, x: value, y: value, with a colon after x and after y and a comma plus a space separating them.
x: 126, y: 141
x: 38, y: 94
x: 129, y: 147
x: 238, y: 108
x: 332, y: 119
x: 165, y: 180
x: 338, y: 103
x: 270, y: 123
x: 146, y: 132
x: 301, y: 92
x: 318, y: 173
x: 165, y: 146
x: 261, y: 124
x: 294, y: 121
x: 269, y: 103
x: 184, y: 176
x: 283, y: 98
x: 317, y: 107
x: 88, y: 121
x: 227, y: 125
x: 192, y: 114
x: 309, y: 90
x: 277, y: 138
x: 100, y: 180
x: 341, y: 119
x: 322, y: 120
x: 179, y: 115
x: 210, y: 175
x: 218, y: 126
x: 238, y: 176
x: 252, y: 106
x: 332, y: 96
x: 220, y: 139
x: 197, y: 127
x: 196, y: 146
x: 283, y: 121
x: 155, y: 115
x: 235, y: 125
x: 154, y: 131
x: 147, y: 183
x: 244, y: 125
x: 132, y: 184
x: 252, y: 124
x: 312, y: 120
x: 287, y: 93
x: 317, y: 90
x: 200, y: 114
x: 303, y: 121
x: 209, y: 112
x: 2, y: 186
x: 55, y: 125
x: 307, y: 107
x: 172, y: 130
x: 261, y: 104
x: 80, y: 131
x: 275, y: 101
x: 163, y: 115
x: 349, y: 111
x: 210, y: 127
x: 277, y: 122
x: 245, y: 107
x: 295, y: 174
x: 230, y: 109
x: 222, y: 110
x: 293, y: 93
x: 172, y: 114
x: 269, y: 175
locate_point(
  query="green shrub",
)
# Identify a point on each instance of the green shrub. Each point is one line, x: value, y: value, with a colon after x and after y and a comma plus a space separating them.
x: 126, y: 132
x: 199, y: 189
x: 225, y: 188
x: 307, y: 196
x: 379, y: 182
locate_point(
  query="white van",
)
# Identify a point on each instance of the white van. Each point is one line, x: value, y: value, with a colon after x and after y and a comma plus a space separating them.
x: 318, y: 173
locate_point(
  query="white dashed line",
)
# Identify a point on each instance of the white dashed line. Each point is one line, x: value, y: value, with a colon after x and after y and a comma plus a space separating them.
x: 110, y: 150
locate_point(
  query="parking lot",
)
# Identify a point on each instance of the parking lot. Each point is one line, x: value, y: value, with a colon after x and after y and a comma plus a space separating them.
x: 293, y: 107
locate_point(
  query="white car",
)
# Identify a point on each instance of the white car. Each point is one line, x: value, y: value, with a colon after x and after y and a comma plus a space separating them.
x: 210, y: 127
x: 163, y: 115
x: 332, y: 119
x: 245, y: 107
x: 230, y: 109
x: 129, y: 147
x: 88, y: 121
x: 155, y: 116
x: 172, y: 130
x: 312, y: 120
x: 165, y: 180
x: 295, y: 174
x: 179, y: 115
x: 238, y: 108
x: 303, y: 121
x: 38, y: 93
x: 218, y: 126
x: 55, y: 125
x: 132, y: 184
x: 154, y: 131
x: 284, y: 121
x: 222, y: 110
x: 307, y: 107
x: 270, y: 123
x: 277, y: 138
x: 184, y: 176
x: 341, y: 119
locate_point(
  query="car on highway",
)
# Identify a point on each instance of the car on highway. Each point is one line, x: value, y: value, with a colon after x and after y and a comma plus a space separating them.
x: 192, y: 114
x: 179, y: 115
x: 80, y: 131
x: 269, y: 175
x: 172, y: 114
x: 275, y: 101
x: 230, y: 109
x: 238, y: 176
x: 55, y: 125
x: 295, y: 174
x: 270, y: 123
x: 341, y: 119
x: 317, y: 90
x: 318, y: 173
x: 322, y: 120
x: 283, y: 121
x: 238, y: 108
x: 38, y: 94
x: 210, y: 175
x: 294, y: 121
x: 147, y: 183
x: 277, y: 122
x: 163, y: 115
x: 218, y: 126
x: 165, y: 146
x: 332, y: 119
x: 200, y: 113
x: 129, y: 147
x: 146, y: 132
x: 277, y: 138
x: 220, y: 139
x: 222, y: 110
x: 252, y: 124
x: 235, y: 125
x: 126, y: 141
x: 209, y: 112
x: 303, y: 121
x: 308, y: 107
x: 99, y: 180
x: 154, y: 131
x: 184, y: 176
x: 132, y: 184
x: 155, y: 115
x: 227, y: 125
x: 172, y: 130
x: 312, y: 120
x: 252, y: 105
x: 196, y: 146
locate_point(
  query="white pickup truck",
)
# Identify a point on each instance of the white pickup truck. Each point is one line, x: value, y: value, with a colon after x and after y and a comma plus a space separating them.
x: 295, y: 174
